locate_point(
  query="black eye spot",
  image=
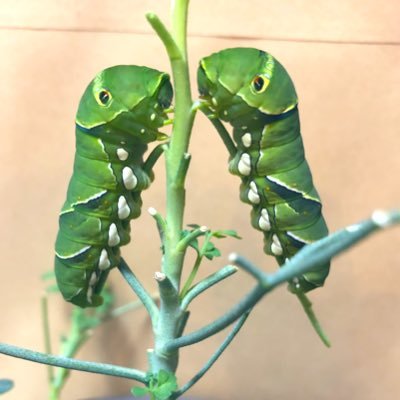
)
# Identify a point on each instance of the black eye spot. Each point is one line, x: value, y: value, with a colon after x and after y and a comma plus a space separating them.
x: 104, y: 97
x: 258, y: 83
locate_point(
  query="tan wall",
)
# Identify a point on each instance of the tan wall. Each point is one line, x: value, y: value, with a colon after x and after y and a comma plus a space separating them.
x: 344, y: 58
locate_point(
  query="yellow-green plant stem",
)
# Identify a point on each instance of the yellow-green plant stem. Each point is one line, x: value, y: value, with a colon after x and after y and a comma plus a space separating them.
x: 47, y: 336
x: 177, y: 160
x: 76, y: 339
x: 191, y: 278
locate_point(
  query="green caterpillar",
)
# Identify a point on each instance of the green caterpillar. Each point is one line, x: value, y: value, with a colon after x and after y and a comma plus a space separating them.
x: 252, y: 91
x: 118, y: 115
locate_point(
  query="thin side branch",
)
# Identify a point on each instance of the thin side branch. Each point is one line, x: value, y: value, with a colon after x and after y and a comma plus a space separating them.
x: 221, y: 323
x: 161, y: 224
x: 133, y: 306
x: 140, y: 291
x: 219, y: 126
x: 213, y: 358
x: 206, y: 283
x: 70, y: 363
x: 47, y: 336
x: 185, y: 242
x: 169, y: 42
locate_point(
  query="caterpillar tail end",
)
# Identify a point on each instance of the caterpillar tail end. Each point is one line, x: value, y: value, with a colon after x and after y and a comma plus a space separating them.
x: 75, y: 288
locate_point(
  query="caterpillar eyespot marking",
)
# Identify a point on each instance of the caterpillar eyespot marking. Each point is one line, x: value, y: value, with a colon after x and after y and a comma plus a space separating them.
x: 104, y: 97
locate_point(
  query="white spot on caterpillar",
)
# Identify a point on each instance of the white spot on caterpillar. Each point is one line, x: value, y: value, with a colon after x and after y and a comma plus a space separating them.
x: 93, y: 279
x: 123, y: 208
x: 89, y: 294
x: 129, y: 178
x: 276, y: 247
x: 104, y: 261
x: 244, y: 165
x: 113, y: 237
x: 381, y: 218
x: 72, y: 255
x: 264, y: 222
x: 246, y: 140
x: 122, y: 154
x: 142, y: 130
x: 214, y: 101
x: 253, y: 195
x: 225, y: 112
x: 244, y: 127
x: 153, y: 117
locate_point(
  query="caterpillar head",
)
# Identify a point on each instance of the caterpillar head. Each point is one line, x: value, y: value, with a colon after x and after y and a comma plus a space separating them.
x: 253, y: 75
x: 117, y: 92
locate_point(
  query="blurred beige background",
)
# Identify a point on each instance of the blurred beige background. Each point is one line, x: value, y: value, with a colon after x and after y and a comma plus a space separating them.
x: 345, y: 60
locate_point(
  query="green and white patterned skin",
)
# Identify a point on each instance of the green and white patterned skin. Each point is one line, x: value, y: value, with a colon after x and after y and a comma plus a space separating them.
x: 252, y: 91
x: 118, y: 115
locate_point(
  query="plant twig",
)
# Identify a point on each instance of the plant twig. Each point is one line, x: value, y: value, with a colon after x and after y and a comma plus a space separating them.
x: 161, y: 225
x: 219, y: 126
x: 206, y: 283
x: 70, y: 363
x: 213, y: 358
x: 191, y: 277
x: 185, y: 241
x: 132, y: 306
x: 169, y: 42
x: 140, y: 291
x: 47, y: 336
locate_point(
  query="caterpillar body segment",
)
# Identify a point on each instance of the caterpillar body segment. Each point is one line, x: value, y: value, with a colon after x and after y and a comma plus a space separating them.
x: 118, y: 116
x: 250, y: 89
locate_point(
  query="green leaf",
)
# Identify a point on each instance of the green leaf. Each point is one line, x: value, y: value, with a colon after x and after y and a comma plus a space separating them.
x: 161, y: 386
x: 194, y: 243
x: 140, y: 391
x: 166, y: 385
x: 226, y: 232
x: 210, y: 251
x: 6, y: 385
